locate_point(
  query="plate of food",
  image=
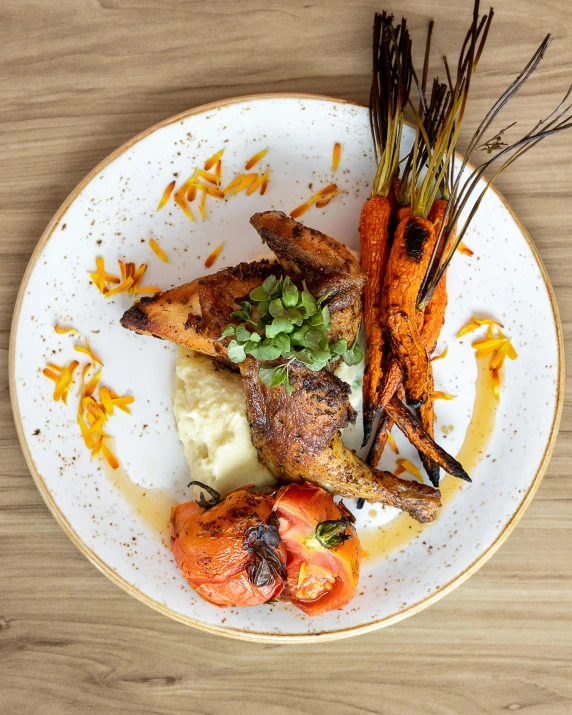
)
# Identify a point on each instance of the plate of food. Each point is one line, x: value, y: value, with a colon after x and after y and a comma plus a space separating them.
x: 273, y: 366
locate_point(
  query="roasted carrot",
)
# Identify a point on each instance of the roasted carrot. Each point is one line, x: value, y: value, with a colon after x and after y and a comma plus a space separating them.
x: 433, y: 319
x: 376, y: 450
x: 391, y: 83
x: 374, y: 245
x: 408, y: 261
x: 415, y: 433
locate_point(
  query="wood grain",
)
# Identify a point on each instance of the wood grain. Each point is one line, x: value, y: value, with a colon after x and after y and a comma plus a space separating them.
x: 78, y: 78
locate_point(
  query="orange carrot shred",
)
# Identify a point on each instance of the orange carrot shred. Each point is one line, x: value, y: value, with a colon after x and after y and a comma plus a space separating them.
x: 202, y: 203
x: 392, y: 443
x: 255, y: 159
x: 166, y: 195
x: 336, y: 154
x: 299, y: 210
x: 411, y: 468
x: 50, y: 375
x: 182, y: 204
x: 264, y: 185
x: 92, y: 384
x: 211, y: 258
x: 192, y: 193
x: 109, y: 456
x: 465, y: 250
x: 442, y: 356
x: 89, y: 352
x: 322, y: 203
x: 214, y: 159
x: 207, y: 176
x: 158, y: 251
x: 61, y: 330
x: 439, y: 395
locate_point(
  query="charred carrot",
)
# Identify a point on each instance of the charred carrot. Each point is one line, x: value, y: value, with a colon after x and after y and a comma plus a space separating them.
x: 374, y: 245
x: 415, y: 433
x: 433, y: 319
x: 408, y: 261
x: 392, y: 75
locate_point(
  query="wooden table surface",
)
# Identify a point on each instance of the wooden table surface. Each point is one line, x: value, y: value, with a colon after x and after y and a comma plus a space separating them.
x: 78, y: 78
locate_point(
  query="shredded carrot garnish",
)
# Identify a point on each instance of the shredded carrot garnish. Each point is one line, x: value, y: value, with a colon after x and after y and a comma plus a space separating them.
x: 182, y: 204
x: 438, y: 395
x: 213, y: 191
x: 92, y: 384
x: 109, y: 456
x: 495, y: 375
x: 207, y: 176
x: 500, y: 347
x: 211, y: 258
x: 255, y: 185
x: 88, y: 351
x: 214, y: 159
x: 166, y: 195
x: 476, y: 323
x: 392, y: 443
x: 61, y: 330
x: 299, y: 210
x: 411, y: 468
x: 264, y: 185
x: 158, y: 251
x: 442, y: 356
x: 56, y: 368
x: 255, y: 159
x: 203, y: 202
x: 304, y: 566
x: 465, y: 250
x: 336, y: 154
x: 322, y: 203
x: 218, y: 172
x: 398, y: 470
x: 245, y: 183
x: 233, y: 184
x: 319, y: 197
x: 192, y: 193
x: 50, y: 375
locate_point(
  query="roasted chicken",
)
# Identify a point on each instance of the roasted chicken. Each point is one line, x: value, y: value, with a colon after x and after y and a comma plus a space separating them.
x: 297, y: 437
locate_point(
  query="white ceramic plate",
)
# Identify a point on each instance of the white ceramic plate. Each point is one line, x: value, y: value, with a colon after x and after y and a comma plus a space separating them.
x: 113, y: 213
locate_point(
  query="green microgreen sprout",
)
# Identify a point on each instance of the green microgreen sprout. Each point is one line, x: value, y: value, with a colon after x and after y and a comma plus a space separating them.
x: 284, y: 322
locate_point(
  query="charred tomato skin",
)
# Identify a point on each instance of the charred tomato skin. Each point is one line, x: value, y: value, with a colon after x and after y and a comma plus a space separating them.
x: 217, y: 549
x: 319, y: 579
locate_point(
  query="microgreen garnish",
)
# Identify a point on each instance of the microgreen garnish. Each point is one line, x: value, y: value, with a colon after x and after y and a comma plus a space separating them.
x: 283, y: 321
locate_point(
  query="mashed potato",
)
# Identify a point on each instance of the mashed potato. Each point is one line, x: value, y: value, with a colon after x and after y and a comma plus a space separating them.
x: 210, y: 412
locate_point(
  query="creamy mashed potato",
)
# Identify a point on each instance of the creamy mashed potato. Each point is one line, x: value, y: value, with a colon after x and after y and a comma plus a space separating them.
x: 210, y: 412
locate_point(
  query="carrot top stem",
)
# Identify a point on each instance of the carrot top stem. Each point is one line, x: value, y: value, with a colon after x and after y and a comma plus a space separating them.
x: 391, y: 84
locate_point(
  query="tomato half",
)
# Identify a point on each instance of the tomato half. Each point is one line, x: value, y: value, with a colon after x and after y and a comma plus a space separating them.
x: 228, y: 552
x: 319, y: 578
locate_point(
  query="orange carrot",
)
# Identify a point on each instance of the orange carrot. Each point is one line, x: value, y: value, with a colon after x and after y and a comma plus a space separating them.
x: 374, y: 244
x: 408, y: 261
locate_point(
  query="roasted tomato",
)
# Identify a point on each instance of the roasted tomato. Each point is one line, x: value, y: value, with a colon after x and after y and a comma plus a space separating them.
x: 227, y: 549
x: 324, y: 552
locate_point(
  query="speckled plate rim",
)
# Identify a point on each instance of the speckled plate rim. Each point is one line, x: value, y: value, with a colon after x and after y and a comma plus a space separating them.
x: 222, y: 630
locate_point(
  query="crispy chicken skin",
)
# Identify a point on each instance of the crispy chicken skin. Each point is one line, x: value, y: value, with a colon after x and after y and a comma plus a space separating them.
x: 194, y: 314
x: 322, y: 262
x: 297, y: 437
